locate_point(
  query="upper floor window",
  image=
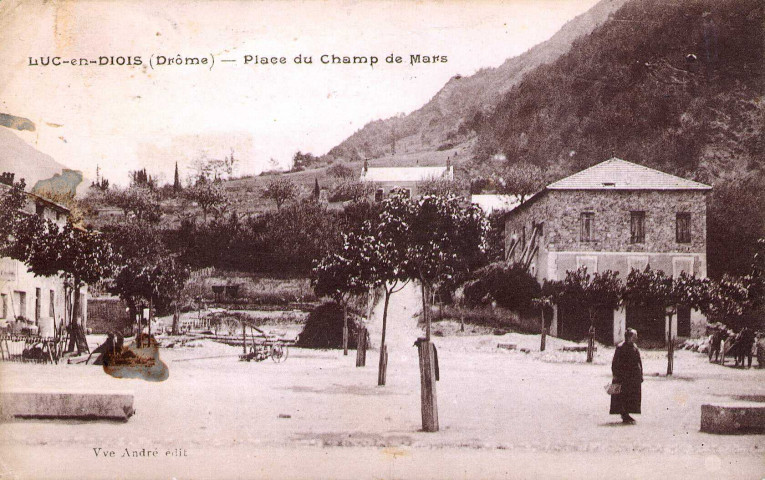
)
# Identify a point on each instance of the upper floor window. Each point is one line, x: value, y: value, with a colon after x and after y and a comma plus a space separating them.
x: 683, y: 228
x: 586, y: 226
x: 379, y: 193
x: 637, y: 227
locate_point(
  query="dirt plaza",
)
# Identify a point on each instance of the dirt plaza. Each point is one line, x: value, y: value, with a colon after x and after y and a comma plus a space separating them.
x: 516, y: 414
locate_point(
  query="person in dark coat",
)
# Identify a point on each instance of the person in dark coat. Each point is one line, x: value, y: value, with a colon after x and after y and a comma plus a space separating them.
x: 627, y: 369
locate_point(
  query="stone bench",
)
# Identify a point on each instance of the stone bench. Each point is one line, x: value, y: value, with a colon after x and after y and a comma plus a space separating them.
x: 734, y: 417
x: 507, y: 346
x: 66, y: 405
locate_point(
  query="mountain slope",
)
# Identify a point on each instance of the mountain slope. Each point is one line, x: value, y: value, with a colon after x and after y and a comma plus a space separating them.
x: 676, y: 85
x: 26, y: 162
x: 449, y: 117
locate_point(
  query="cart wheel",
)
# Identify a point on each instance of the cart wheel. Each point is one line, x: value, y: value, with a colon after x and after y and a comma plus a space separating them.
x: 279, y: 353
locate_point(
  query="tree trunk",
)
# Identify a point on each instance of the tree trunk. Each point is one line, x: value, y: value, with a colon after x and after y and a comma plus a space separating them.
x: 151, y: 317
x: 244, y: 339
x: 361, y: 347
x: 345, y: 329
x: 73, y: 319
x: 591, y: 339
x: 670, y: 347
x: 425, y: 310
x: 383, y: 365
x: 428, y: 398
x: 176, y: 320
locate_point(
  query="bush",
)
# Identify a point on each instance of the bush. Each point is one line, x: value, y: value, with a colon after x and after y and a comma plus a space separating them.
x: 324, y: 328
x: 512, y: 287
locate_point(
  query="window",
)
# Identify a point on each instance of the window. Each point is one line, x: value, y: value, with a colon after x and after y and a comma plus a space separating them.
x: 637, y: 227
x: 52, y: 304
x: 683, y: 228
x: 407, y: 192
x: 21, y: 302
x: 586, y: 226
x: 40, y: 209
x: 379, y: 193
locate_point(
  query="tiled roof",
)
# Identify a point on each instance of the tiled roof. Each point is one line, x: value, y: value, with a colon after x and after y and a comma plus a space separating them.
x: 405, y: 174
x: 617, y: 174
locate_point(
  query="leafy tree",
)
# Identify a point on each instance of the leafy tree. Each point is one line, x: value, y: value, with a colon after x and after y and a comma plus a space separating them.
x: 654, y: 287
x: 137, y: 202
x: 208, y: 195
x: 81, y: 257
x: 301, y: 161
x: 342, y: 171
x: 149, y: 273
x: 12, y: 203
x: 444, y: 239
x: 344, y: 274
x: 441, y: 187
x: 281, y: 190
x: 586, y: 292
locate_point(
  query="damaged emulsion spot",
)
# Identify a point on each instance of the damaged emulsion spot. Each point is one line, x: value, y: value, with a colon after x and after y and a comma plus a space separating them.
x: 137, y: 360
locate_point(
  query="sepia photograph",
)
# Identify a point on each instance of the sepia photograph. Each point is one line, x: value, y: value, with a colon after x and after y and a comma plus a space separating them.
x: 382, y: 239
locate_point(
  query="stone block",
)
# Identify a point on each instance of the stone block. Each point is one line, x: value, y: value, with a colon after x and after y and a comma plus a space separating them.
x: 733, y: 418
x: 66, y: 405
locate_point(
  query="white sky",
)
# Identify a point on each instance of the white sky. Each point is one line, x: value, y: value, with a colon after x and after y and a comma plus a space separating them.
x: 124, y: 118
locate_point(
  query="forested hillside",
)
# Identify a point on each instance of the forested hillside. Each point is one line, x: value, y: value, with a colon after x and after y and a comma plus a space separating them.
x: 675, y: 85
x: 450, y: 117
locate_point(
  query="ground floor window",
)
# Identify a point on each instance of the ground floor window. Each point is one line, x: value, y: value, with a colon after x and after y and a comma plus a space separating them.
x: 649, y: 321
x: 20, y: 301
x: 683, y: 321
x: 574, y: 323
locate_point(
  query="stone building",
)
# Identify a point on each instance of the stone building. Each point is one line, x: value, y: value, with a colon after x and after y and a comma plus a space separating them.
x: 613, y: 216
x: 39, y: 300
x: 387, y: 179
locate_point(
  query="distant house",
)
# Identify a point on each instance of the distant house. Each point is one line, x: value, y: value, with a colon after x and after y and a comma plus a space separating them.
x: 387, y: 179
x: 39, y: 300
x: 614, y: 216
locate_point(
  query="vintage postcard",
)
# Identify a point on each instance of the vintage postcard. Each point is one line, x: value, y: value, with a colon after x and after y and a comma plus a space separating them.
x: 382, y: 239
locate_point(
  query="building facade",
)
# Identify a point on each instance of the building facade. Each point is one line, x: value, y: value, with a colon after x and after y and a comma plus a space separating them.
x: 40, y: 301
x: 388, y: 179
x: 614, y: 216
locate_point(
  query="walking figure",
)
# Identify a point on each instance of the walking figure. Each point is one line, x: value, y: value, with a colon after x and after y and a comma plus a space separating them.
x: 627, y: 369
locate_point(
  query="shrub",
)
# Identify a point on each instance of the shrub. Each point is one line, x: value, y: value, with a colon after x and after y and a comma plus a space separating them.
x: 324, y: 328
x: 512, y: 287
